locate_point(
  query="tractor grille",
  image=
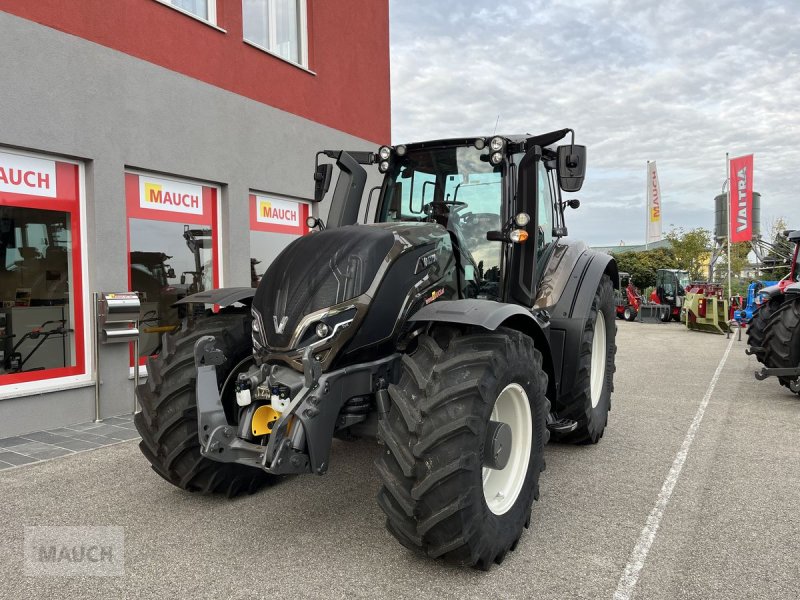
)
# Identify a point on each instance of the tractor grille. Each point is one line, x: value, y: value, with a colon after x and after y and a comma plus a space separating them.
x: 317, y: 271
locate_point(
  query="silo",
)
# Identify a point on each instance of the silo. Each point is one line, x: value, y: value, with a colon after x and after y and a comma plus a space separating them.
x: 721, y: 216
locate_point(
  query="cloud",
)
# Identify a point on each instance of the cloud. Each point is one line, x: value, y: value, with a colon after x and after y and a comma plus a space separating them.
x: 680, y: 83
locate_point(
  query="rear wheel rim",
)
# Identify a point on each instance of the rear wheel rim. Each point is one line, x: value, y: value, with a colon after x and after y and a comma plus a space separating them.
x: 502, y: 487
x: 598, y: 373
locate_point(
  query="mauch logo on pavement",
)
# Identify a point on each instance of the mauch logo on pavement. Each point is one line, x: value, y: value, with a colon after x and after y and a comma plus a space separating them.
x: 75, y: 551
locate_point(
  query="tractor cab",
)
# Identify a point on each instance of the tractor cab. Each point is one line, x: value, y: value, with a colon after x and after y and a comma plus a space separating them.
x: 670, y: 290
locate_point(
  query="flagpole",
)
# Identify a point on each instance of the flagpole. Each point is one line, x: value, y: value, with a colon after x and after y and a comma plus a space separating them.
x: 646, y: 206
x: 730, y: 217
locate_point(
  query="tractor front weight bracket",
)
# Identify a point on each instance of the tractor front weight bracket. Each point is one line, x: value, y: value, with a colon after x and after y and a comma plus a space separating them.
x: 791, y: 372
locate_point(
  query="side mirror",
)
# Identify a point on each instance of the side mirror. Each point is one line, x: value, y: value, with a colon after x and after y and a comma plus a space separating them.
x: 322, y: 180
x: 571, y: 167
x: 170, y: 273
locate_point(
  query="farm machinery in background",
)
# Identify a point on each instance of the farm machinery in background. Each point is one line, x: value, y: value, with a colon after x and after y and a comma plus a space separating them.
x: 670, y: 291
x: 628, y: 298
x: 705, y: 308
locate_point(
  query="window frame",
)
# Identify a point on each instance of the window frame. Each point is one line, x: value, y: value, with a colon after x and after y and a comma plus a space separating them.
x: 211, y: 9
x: 84, y: 363
x: 302, y: 6
x: 219, y: 236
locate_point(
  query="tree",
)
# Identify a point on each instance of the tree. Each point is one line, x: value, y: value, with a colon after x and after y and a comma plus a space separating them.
x: 777, y: 262
x: 643, y: 265
x: 691, y: 249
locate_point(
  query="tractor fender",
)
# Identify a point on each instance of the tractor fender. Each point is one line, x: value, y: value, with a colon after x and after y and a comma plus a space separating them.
x: 568, y: 316
x: 222, y: 297
x: 490, y: 315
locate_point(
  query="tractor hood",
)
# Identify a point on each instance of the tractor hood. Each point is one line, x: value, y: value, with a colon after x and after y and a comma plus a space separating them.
x: 320, y: 289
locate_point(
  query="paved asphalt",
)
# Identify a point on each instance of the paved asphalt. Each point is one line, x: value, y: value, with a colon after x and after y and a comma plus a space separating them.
x: 731, y: 527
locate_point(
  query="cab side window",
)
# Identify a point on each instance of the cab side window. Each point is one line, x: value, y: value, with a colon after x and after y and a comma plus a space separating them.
x: 545, y: 210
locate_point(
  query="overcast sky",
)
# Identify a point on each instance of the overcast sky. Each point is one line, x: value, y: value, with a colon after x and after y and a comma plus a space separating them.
x: 681, y: 83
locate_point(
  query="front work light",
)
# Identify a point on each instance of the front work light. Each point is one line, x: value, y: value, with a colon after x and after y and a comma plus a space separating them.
x: 522, y: 219
x: 497, y: 144
x: 400, y: 150
x: 384, y: 152
x: 384, y: 166
x: 311, y: 222
x: 496, y: 158
x: 322, y: 330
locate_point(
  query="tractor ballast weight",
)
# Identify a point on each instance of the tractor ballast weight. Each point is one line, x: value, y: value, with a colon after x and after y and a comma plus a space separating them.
x: 705, y: 308
x: 460, y: 329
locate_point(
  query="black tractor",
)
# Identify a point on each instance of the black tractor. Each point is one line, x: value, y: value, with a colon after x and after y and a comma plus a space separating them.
x: 460, y: 329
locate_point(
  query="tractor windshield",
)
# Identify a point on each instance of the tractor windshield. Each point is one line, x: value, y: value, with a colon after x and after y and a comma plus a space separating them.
x: 458, y: 188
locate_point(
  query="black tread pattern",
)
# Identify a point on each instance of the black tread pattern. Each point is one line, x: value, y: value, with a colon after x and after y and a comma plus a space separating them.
x: 578, y: 405
x: 756, y: 328
x: 432, y: 491
x: 782, y: 338
x: 167, y: 421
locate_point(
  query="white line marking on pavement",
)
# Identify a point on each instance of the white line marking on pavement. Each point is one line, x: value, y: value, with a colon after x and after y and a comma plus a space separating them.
x: 630, y: 576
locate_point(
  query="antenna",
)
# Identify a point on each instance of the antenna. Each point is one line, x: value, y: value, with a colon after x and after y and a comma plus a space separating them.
x: 495, y: 124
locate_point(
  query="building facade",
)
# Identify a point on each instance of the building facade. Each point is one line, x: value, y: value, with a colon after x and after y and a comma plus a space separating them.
x: 165, y: 147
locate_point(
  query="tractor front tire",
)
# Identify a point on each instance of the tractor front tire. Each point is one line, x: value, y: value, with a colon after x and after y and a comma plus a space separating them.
x: 782, y: 339
x: 439, y: 497
x: 590, y: 398
x: 168, y: 418
x: 757, y: 326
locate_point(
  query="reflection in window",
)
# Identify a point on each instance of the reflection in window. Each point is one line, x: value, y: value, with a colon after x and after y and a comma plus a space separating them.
x: 277, y: 26
x: 168, y: 261
x: 36, y: 320
x: 204, y: 9
x: 264, y: 248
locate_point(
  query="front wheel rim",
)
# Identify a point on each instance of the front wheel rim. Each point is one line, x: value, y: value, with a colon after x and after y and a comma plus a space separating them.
x: 598, y: 373
x: 502, y: 487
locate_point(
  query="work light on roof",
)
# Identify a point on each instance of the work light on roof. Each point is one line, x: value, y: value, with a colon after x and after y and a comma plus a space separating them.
x: 383, y: 166
x: 496, y: 158
x: 497, y: 144
x: 401, y: 150
x: 384, y: 152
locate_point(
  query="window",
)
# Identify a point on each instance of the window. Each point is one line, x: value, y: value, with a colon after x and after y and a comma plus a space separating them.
x: 202, y: 9
x: 278, y: 26
x: 41, y: 297
x: 173, y: 243
x: 544, y: 209
x: 274, y: 224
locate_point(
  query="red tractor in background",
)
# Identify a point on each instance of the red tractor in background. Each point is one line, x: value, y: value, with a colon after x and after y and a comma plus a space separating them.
x: 670, y: 289
x: 628, y: 298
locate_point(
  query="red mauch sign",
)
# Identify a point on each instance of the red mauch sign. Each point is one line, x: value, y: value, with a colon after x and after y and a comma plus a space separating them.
x: 740, y: 211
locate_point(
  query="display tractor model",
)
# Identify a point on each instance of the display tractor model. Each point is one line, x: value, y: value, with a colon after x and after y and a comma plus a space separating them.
x: 772, y: 298
x: 670, y: 291
x: 628, y: 298
x: 460, y: 329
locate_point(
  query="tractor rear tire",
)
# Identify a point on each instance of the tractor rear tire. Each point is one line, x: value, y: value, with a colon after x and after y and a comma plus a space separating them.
x: 782, y: 339
x: 439, y: 498
x: 168, y: 418
x: 590, y: 398
x: 756, y: 328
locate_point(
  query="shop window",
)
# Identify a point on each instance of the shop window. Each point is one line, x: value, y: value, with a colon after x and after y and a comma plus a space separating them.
x: 278, y: 26
x: 41, y: 293
x: 202, y: 9
x: 274, y: 224
x: 172, y: 242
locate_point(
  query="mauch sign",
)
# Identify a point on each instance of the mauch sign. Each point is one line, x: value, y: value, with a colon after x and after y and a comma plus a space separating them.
x: 27, y: 175
x: 277, y: 212
x: 740, y: 210
x: 169, y: 195
x: 653, y: 204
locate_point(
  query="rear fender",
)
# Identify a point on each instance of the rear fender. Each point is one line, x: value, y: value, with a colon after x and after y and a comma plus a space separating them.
x: 490, y: 315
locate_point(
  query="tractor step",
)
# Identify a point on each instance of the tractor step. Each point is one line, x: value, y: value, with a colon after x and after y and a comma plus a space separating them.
x: 560, y: 426
x: 750, y: 350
